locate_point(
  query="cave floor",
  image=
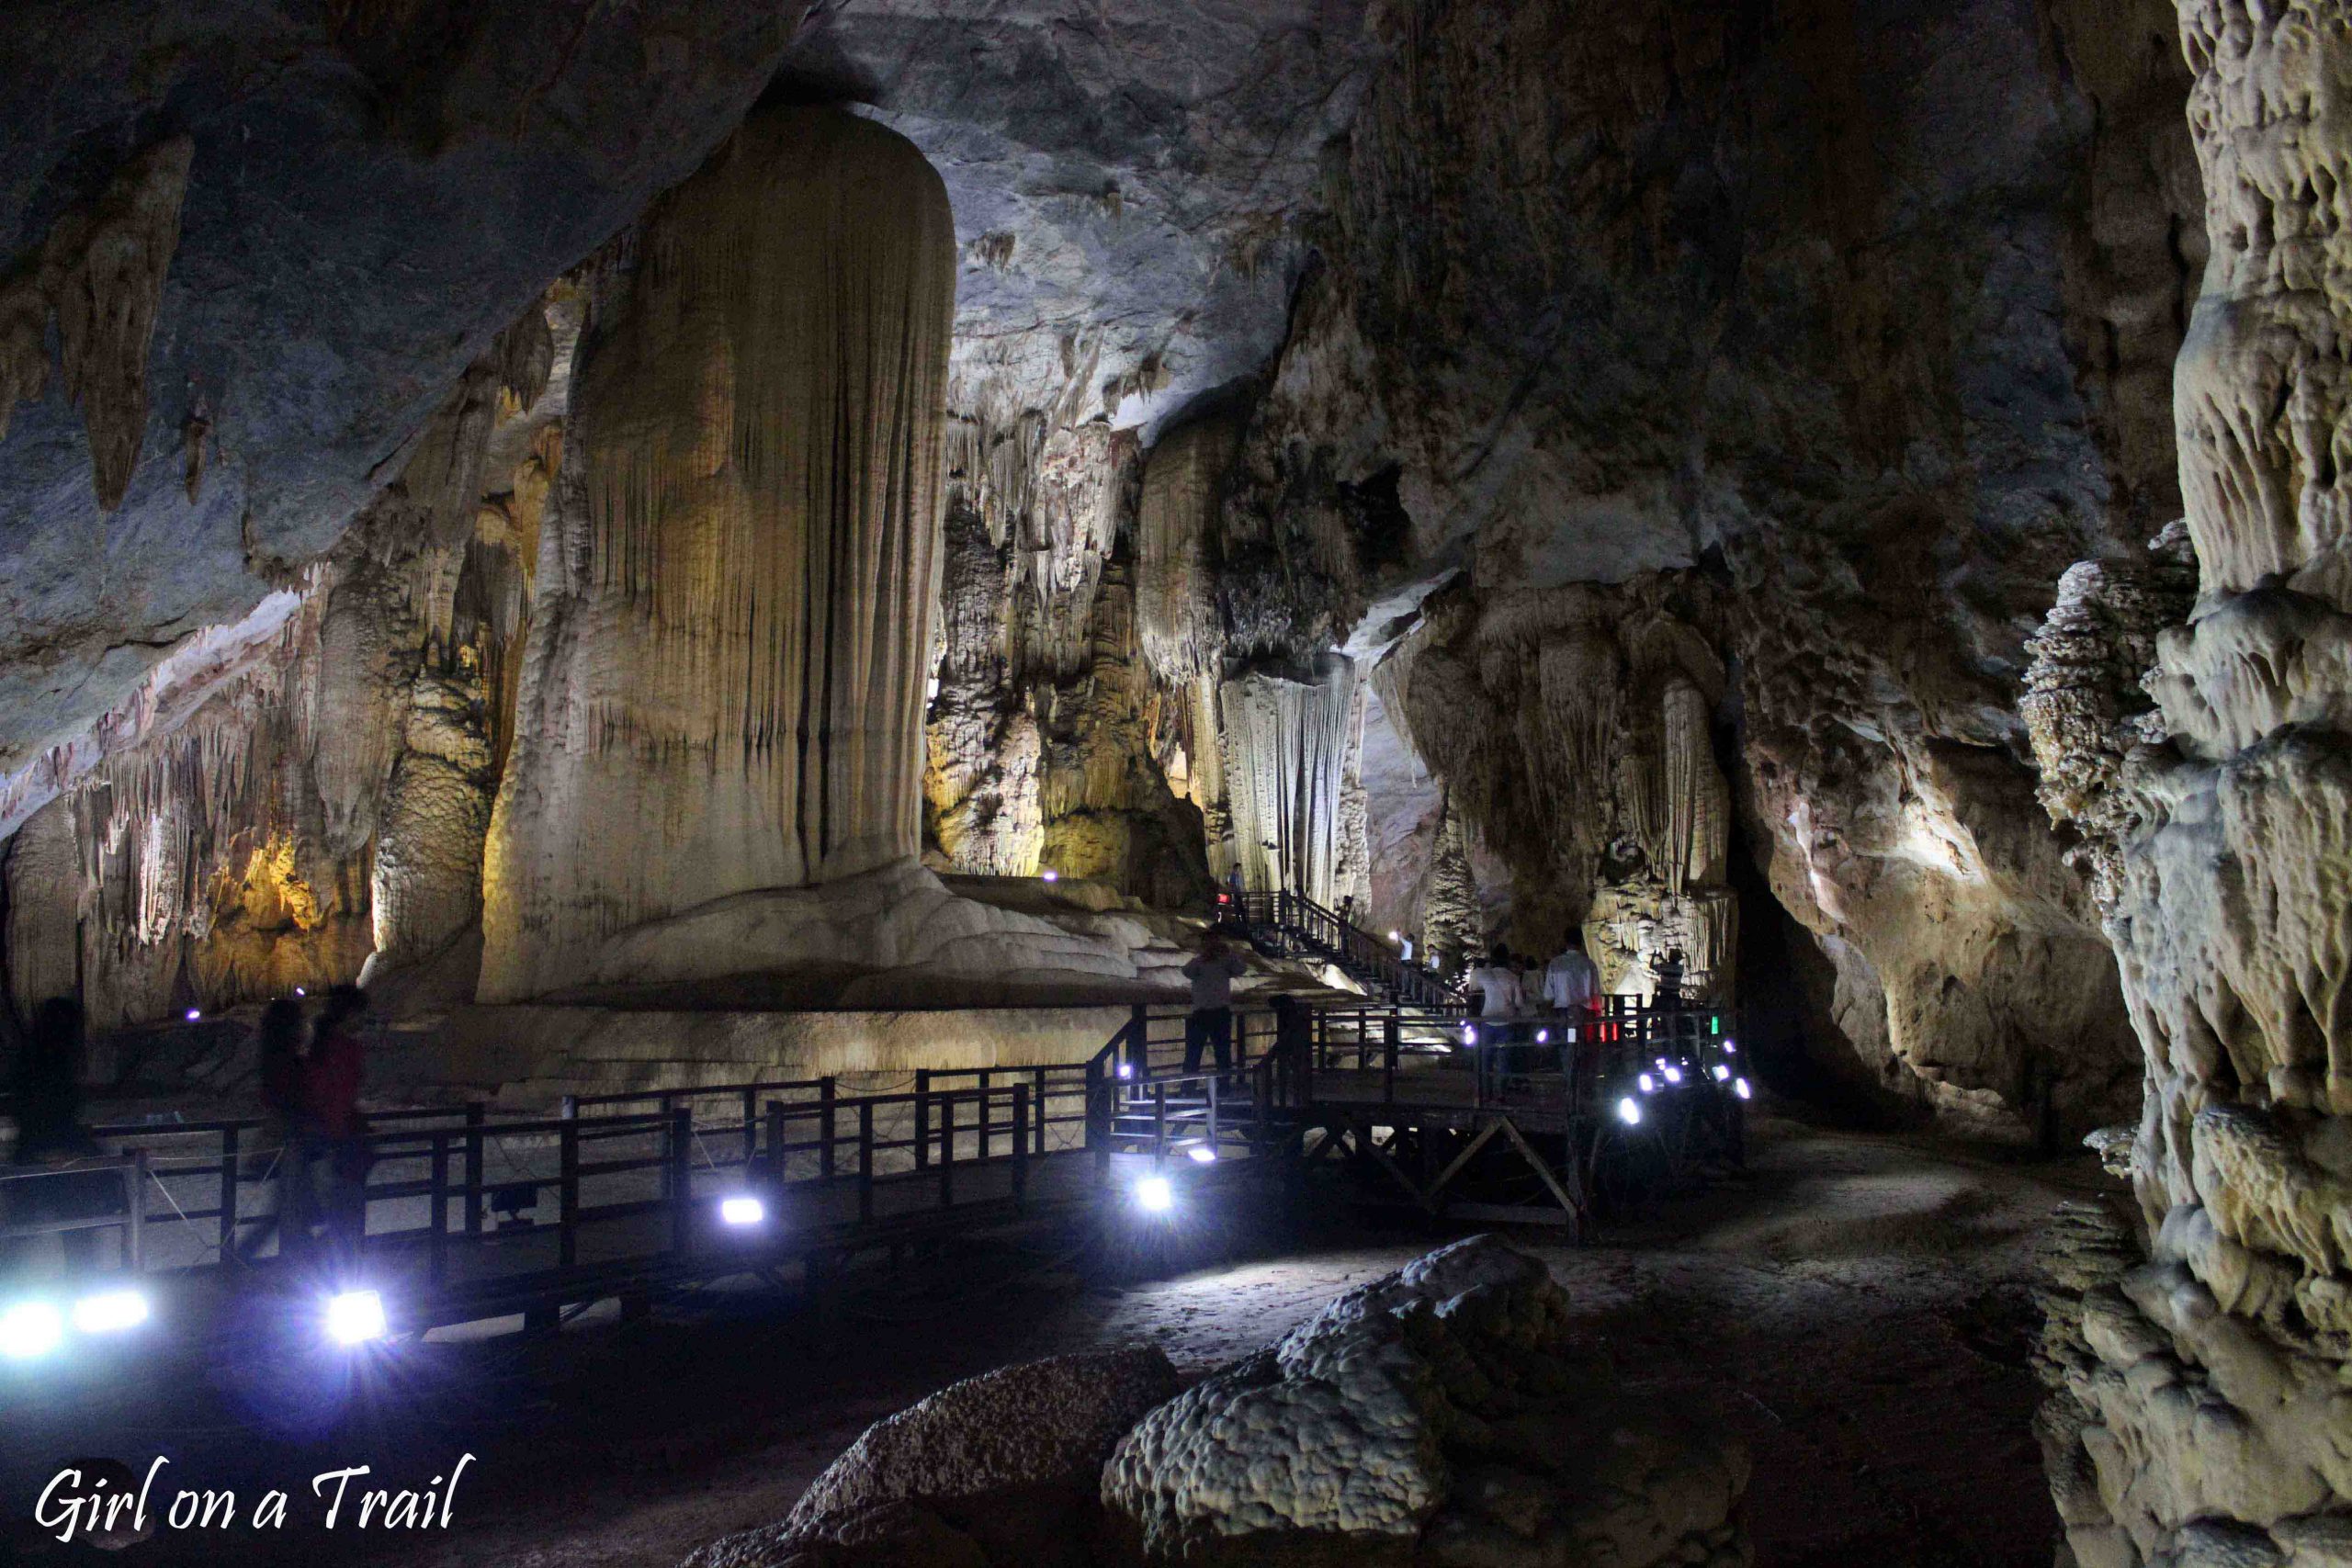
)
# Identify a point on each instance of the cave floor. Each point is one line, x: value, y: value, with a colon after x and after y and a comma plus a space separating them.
x: 1856, y: 1307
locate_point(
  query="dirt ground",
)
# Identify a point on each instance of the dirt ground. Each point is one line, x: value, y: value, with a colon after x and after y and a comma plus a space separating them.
x: 1854, y: 1307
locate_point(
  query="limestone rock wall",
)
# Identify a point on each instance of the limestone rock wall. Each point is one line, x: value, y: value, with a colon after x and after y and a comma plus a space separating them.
x: 1106, y: 811
x: 1048, y: 742
x: 1849, y: 325
x: 1575, y: 729
x: 729, y: 646
x: 314, y: 792
x: 2201, y: 1421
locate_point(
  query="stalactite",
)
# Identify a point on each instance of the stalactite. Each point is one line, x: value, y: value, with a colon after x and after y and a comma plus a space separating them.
x: 1286, y: 743
x: 980, y: 784
x: 102, y: 273
x: 727, y: 675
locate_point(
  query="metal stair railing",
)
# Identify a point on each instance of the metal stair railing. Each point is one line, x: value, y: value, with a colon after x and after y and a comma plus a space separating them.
x: 1301, y: 923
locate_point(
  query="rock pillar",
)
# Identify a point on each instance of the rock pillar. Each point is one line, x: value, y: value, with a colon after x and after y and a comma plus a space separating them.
x: 723, y: 691
x: 2204, y: 1420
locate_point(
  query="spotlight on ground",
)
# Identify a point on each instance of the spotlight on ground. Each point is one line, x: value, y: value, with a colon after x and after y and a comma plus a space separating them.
x: 740, y: 1210
x: 1649, y: 1084
x: 1731, y: 1047
x: 1155, y: 1195
x: 1674, y: 1075
x: 1201, y: 1154
x: 1629, y: 1112
x: 1739, y: 1086
x: 30, y: 1329
x: 109, y: 1312
x: 354, y: 1318
x: 1722, y: 1073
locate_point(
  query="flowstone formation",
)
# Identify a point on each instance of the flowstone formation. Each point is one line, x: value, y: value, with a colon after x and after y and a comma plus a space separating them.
x: 1437, y: 1417
x: 724, y: 679
x: 2205, y: 1421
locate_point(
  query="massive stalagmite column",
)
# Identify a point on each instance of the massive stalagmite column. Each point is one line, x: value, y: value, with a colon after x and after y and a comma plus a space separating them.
x: 724, y: 685
x: 2206, y: 1419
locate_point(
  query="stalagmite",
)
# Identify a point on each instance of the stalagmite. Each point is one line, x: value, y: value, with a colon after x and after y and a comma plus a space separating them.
x: 727, y: 664
x: 427, y: 881
x: 1175, y: 610
x: 1452, y: 924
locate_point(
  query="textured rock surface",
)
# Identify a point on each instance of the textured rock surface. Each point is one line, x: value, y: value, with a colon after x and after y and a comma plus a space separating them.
x: 1844, y: 327
x: 314, y: 786
x: 1576, y: 726
x: 1435, y: 1416
x: 1001, y: 1463
x: 724, y: 682
x: 2207, y: 1422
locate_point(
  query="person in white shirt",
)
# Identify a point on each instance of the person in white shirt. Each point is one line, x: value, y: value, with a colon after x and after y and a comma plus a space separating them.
x: 1497, y: 985
x: 1571, y: 981
x: 1212, y: 972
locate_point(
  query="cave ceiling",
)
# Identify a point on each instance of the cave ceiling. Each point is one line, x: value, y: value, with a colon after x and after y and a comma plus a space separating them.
x: 373, y: 191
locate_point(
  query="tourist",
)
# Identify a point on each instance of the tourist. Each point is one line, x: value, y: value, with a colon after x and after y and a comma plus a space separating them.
x: 332, y: 1126
x: 1571, y: 982
x: 1212, y: 972
x: 52, y: 1139
x: 1496, y: 983
x: 1668, y: 971
x: 281, y: 1048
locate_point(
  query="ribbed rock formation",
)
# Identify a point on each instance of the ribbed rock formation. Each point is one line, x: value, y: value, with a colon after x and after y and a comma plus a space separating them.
x: 1287, y: 736
x: 727, y: 652
x: 2210, y: 1408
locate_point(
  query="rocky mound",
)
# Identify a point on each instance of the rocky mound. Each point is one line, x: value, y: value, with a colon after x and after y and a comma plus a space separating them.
x: 1436, y: 1416
x: 997, y: 1469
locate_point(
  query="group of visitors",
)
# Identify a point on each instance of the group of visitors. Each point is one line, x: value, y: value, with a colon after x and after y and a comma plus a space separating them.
x: 1511, y: 986
x: 313, y: 1150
